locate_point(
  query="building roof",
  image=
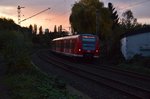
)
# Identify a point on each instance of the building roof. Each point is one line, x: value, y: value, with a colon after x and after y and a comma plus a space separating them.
x: 136, y: 32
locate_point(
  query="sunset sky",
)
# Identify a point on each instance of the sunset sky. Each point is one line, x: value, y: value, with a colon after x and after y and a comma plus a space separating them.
x: 61, y: 9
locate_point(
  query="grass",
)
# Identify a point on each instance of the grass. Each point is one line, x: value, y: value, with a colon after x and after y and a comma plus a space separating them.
x: 32, y: 84
x: 141, y: 66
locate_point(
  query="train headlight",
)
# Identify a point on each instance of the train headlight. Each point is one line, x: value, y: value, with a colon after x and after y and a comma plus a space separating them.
x: 79, y: 50
x: 97, y: 51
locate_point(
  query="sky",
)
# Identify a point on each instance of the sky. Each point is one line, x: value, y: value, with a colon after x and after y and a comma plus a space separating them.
x: 60, y: 11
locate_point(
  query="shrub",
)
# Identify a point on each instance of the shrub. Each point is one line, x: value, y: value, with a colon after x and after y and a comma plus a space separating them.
x: 141, y: 61
x: 15, y: 50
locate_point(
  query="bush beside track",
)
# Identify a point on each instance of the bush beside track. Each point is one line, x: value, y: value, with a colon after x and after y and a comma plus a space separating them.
x: 33, y: 84
x: 138, y: 64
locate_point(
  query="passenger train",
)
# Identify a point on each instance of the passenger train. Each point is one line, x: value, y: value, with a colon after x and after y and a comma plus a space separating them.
x: 82, y: 45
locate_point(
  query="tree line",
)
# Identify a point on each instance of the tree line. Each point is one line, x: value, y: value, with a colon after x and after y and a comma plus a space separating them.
x: 42, y: 37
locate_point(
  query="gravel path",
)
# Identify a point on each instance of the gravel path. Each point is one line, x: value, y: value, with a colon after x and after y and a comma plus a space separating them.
x: 93, y: 90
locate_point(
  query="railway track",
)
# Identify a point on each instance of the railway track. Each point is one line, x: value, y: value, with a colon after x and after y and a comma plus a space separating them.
x: 94, y: 74
x: 121, y: 71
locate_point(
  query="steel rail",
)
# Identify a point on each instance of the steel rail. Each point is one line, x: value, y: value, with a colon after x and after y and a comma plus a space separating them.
x: 134, y: 91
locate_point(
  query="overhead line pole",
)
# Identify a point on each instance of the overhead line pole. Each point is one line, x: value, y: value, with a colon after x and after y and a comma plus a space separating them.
x: 19, y: 13
x: 97, y: 22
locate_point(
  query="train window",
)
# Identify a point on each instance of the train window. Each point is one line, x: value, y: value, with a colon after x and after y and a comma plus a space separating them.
x: 88, y: 39
x: 62, y: 45
x: 89, y: 43
x: 73, y: 44
x: 55, y: 45
x: 68, y: 44
x: 58, y: 44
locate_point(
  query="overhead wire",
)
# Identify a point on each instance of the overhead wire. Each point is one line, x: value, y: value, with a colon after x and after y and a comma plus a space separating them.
x: 62, y: 13
x: 134, y: 4
x: 130, y: 6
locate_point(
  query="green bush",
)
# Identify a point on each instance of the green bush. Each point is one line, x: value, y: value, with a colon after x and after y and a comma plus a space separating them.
x: 33, y: 84
x: 15, y: 50
x: 141, y: 61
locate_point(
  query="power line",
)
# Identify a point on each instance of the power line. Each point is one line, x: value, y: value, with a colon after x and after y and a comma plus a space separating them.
x: 35, y: 15
x: 135, y: 4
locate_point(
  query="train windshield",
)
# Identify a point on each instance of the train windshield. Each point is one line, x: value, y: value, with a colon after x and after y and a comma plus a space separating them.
x: 88, y: 42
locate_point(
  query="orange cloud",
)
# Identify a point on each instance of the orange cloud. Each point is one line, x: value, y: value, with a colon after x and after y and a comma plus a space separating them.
x: 46, y: 19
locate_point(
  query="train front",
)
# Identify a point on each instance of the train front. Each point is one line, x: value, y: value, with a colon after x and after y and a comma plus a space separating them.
x: 90, y: 46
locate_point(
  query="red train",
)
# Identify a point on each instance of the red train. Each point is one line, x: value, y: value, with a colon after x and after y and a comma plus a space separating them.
x: 83, y: 45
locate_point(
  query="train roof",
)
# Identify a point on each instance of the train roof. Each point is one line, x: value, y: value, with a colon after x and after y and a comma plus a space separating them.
x: 72, y: 36
x: 66, y: 37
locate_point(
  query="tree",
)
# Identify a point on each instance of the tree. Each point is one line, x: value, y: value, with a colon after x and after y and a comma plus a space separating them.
x: 128, y: 21
x: 35, y: 29
x: 114, y: 15
x: 115, y: 37
x: 55, y: 29
x: 40, y: 30
x: 8, y: 24
x: 31, y: 28
x: 60, y: 28
x: 83, y: 17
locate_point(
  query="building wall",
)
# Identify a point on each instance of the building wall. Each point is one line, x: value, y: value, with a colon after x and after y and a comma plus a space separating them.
x: 136, y: 44
x: 124, y: 47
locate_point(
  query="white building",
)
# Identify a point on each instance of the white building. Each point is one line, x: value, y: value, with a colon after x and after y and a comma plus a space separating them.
x: 136, y: 43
